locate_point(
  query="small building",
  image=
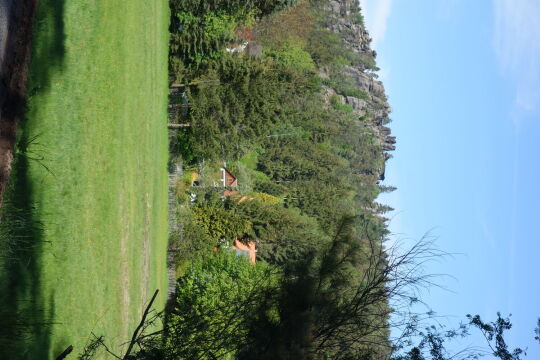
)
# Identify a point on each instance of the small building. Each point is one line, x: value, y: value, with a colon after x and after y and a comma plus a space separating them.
x: 228, y: 181
x: 248, y: 249
x: 246, y: 42
x: 221, y: 179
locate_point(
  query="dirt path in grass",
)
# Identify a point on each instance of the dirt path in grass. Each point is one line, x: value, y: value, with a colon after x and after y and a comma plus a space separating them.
x: 125, y: 279
x: 124, y: 267
x: 16, y: 20
x: 145, y: 276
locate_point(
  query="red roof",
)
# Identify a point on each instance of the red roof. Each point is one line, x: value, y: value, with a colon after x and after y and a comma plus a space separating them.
x: 230, y: 179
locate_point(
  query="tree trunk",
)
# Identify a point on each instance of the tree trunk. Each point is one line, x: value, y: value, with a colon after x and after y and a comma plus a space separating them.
x: 65, y: 353
x: 174, y: 106
x: 176, y: 126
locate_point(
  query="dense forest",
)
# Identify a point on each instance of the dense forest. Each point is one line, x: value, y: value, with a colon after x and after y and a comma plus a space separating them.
x: 281, y: 97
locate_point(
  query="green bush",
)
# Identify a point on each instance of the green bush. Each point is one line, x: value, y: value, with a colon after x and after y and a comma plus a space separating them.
x: 215, y: 303
x: 335, y: 100
x: 344, y: 85
x: 219, y: 223
x: 293, y: 56
x: 200, y: 30
x: 344, y: 107
x: 244, y: 103
x: 359, y: 19
x: 325, y: 46
x: 283, y: 235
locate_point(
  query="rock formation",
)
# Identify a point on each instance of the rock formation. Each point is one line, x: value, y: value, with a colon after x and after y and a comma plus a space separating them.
x: 373, y: 111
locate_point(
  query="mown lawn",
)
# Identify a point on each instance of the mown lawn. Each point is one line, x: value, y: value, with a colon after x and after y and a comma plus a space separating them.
x: 85, y: 220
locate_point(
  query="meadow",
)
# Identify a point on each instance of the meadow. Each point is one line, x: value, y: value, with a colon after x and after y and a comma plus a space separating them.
x: 84, y: 230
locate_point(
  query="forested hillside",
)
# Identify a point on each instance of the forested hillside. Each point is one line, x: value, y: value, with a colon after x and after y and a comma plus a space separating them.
x: 282, y: 98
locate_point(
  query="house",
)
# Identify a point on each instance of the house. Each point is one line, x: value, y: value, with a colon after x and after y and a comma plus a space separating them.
x: 228, y: 180
x: 248, y: 249
x: 247, y: 42
x: 237, y: 48
x: 222, y: 178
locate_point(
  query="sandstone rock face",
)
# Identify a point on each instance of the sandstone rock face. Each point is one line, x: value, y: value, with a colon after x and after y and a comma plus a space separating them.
x: 373, y: 112
x: 364, y: 81
x: 358, y: 105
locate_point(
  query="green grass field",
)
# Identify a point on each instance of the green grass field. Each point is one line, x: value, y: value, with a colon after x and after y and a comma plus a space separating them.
x: 85, y: 222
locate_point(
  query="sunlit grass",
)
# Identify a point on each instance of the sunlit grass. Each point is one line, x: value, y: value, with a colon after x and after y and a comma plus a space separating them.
x: 95, y: 180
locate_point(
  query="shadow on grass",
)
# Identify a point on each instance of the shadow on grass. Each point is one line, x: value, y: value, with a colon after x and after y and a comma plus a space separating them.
x: 26, y: 315
x: 48, y: 47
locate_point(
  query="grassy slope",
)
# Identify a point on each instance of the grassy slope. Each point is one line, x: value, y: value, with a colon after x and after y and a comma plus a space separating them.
x: 97, y: 120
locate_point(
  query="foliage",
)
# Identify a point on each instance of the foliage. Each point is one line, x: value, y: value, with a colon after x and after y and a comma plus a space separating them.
x: 245, y: 170
x: 308, y: 182
x: 200, y: 30
x: 182, y: 186
x: 206, y: 34
x: 293, y: 56
x: 291, y: 26
x: 228, y: 309
x: 326, y: 48
x: 344, y: 107
x: 494, y: 334
x: 266, y: 198
x: 220, y: 223
x: 328, y: 307
x: 344, y: 85
x: 432, y: 341
x: 192, y: 241
x: 292, y: 159
x: 271, y: 188
x: 359, y: 19
x: 537, y: 330
x: 283, y: 234
x: 236, y: 113
x: 386, y: 188
x: 214, y: 305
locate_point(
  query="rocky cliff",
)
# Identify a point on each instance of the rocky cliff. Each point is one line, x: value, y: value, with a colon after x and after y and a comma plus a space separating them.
x: 372, y: 108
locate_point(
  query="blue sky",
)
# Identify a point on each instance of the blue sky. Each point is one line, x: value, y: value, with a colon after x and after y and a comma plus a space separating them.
x: 463, y: 80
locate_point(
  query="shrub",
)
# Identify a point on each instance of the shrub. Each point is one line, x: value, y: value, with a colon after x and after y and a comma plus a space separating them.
x: 215, y: 303
x: 294, y: 57
x: 344, y: 85
x: 291, y: 25
x: 344, y: 107
x: 335, y: 100
x: 359, y: 19
x: 219, y: 223
x: 267, y: 198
